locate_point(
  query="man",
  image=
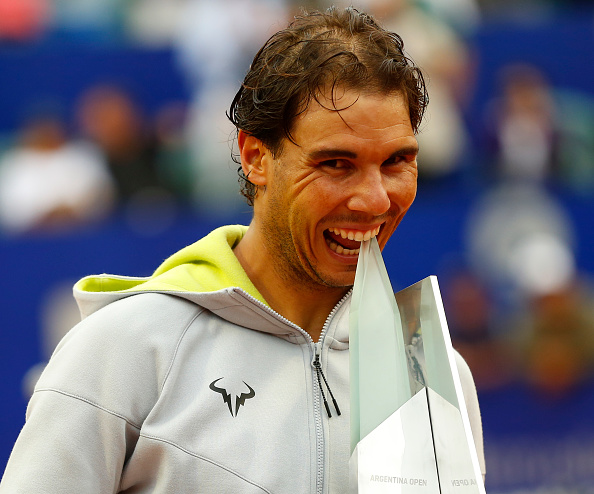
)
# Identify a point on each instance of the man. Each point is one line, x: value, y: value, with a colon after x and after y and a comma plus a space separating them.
x: 211, y: 375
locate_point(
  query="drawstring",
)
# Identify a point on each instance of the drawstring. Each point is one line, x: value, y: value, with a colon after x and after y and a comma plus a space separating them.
x: 319, y: 372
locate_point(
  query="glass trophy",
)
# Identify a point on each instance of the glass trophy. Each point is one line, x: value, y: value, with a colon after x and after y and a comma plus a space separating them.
x: 410, y: 431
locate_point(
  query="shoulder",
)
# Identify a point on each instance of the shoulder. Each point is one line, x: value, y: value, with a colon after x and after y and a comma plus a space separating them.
x: 467, y: 382
x: 140, y: 314
x: 463, y: 369
x: 118, y: 357
x: 130, y: 328
x: 472, y: 406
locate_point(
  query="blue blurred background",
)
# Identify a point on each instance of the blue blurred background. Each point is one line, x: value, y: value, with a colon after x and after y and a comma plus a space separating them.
x: 114, y: 153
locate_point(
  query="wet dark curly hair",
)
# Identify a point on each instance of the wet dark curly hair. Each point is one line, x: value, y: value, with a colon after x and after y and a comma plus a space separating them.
x: 319, y: 50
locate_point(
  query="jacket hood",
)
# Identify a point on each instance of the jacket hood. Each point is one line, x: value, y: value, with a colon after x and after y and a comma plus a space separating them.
x: 205, y: 267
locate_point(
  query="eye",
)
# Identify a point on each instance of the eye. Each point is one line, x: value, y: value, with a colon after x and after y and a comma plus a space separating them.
x: 399, y: 159
x: 392, y: 161
x: 335, y: 163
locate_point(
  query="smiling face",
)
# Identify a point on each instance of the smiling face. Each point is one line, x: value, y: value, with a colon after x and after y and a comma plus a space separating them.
x: 350, y: 176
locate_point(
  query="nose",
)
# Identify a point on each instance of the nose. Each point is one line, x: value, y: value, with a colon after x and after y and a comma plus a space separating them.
x: 369, y: 194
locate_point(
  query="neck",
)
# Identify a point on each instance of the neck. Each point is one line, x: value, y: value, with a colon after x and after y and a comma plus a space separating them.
x: 305, y: 304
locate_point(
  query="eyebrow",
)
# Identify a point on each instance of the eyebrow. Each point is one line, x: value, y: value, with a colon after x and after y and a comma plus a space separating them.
x: 329, y: 154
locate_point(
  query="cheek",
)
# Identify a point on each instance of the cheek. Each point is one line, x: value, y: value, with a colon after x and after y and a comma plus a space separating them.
x: 403, y: 192
x: 319, y: 194
x: 412, y: 192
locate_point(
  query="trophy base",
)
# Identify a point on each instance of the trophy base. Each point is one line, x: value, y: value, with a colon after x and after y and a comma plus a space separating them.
x: 394, y: 459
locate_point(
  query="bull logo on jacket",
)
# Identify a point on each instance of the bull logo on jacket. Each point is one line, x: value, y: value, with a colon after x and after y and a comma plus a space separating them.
x: 228, y: 396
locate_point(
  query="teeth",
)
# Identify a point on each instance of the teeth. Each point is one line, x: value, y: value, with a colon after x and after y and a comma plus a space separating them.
x: 358, y: 235
x: 339, y: 249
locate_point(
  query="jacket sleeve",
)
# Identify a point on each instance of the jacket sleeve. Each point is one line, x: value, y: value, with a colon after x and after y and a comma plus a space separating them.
x: 85, y: 415
x: 68, y: 445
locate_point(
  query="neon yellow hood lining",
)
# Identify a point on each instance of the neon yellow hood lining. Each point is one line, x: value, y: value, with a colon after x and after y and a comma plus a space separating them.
x: 207, y: 265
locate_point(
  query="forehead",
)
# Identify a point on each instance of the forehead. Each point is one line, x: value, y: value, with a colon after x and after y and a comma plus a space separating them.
x: 356, y: 118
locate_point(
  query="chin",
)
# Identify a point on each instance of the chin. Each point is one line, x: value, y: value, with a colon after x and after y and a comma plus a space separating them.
x: 339, y: 280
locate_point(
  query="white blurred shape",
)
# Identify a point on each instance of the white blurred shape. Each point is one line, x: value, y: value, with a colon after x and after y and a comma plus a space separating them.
x: 513, y: 230
x: 542, y: 264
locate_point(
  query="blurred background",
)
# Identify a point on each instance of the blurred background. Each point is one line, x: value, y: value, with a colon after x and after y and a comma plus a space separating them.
x: 114, y: 153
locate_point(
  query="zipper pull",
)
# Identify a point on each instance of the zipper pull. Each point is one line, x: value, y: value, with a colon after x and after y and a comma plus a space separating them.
x: 319, y: 372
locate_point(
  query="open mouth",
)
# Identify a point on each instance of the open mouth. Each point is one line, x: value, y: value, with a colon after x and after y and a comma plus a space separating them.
x: 347, y: 242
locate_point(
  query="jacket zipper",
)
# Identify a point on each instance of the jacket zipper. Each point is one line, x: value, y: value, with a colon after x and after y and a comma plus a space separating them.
x: 317, y: 350
x: 317, y: 347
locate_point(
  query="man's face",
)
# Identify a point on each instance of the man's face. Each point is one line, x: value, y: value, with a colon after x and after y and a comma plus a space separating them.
x: 351, y: 176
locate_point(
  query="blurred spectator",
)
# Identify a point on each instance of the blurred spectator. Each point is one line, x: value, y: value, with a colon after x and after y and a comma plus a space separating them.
x: 539, y: 133
x: 470, y: 314
x: 520, y: 241
x: 173, y: 159
x: 49, y: 182
x: 215, y: 43
x: 554, y: 339
x: 109, y: 117
x: 445, y: 59
x: 23, y: 20
x: 521, y: 126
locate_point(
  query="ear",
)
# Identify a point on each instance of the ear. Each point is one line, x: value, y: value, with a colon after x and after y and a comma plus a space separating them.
x: 255, y: 158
